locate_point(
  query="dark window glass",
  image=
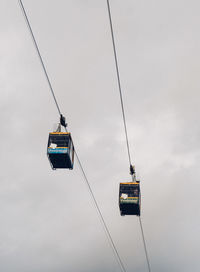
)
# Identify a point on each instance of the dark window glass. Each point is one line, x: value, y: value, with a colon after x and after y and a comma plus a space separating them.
x: 130, y: 190
x: 59, y: 140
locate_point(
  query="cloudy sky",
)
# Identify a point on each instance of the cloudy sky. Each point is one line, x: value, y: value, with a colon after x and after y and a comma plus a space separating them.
x: 48, y: 220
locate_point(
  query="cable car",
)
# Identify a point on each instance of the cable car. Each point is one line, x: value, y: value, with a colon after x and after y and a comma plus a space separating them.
x: 60, y: 150
x: 129, y: 198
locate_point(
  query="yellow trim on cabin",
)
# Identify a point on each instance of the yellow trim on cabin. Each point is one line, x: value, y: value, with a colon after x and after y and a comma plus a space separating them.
x: 129, y: 198
x: 130, y: 183
x: 59, y: 133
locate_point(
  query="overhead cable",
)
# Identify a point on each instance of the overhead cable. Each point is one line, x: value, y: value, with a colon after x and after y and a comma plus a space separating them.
x: 119, y: 81
x: 39, y: 54
x: 116, y: 254
x: 124, y: 119
x: 145, y: 247
x: 122, y: 267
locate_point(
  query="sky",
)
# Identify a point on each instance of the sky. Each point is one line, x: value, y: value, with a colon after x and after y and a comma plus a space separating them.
x: 48, y: 220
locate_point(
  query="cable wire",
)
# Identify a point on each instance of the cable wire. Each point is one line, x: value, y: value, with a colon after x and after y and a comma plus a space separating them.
x: 122, y: 267
x: 39, y: 54
x: 118, y: 80
x: 145, y: 247
x: 124, y: 120
x: 116, y: 254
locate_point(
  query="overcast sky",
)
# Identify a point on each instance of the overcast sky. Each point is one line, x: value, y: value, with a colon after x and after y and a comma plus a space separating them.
x: 48, y: 220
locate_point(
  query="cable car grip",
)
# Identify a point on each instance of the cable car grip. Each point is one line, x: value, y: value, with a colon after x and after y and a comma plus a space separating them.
x: 62, y: 121
x: 132, y: 170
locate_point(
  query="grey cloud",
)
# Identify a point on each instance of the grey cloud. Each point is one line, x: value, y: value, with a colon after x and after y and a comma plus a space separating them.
x: 48, y: 221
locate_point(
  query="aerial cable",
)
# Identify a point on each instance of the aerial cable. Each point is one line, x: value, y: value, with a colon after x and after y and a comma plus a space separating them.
x: 145, y: 246
x: 122, y: 267
x: 125, y: 126
x: 119, y: 81
x: 62, y: 122
x: 39, y: 55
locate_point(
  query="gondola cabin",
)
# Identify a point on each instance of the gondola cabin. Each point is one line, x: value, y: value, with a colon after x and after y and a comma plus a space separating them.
x: 129, y: 198
x: 60, y: 150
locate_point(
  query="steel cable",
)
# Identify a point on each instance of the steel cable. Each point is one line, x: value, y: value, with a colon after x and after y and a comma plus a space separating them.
x: 39, y: 55
x: 119, y: 81
x: 124, y: 119
x: 116, y: 254
x: 122, y: 267
x: 145, y: 247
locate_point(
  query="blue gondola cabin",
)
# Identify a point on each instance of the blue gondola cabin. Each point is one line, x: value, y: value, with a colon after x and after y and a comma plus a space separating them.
x: 129, y: 198
x: 60, y: 150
